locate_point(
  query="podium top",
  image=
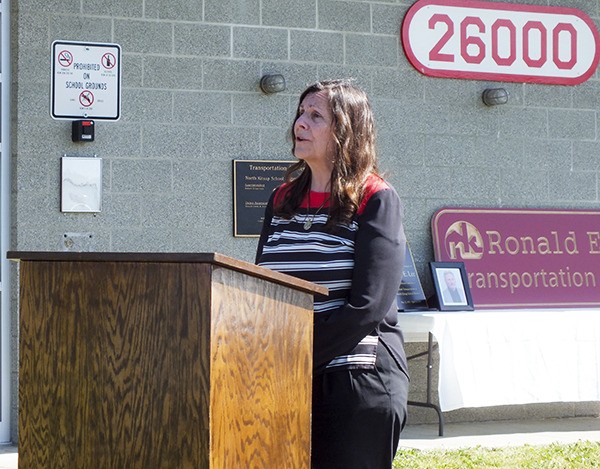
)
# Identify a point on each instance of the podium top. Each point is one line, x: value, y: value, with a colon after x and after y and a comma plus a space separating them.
x: 172, y: 257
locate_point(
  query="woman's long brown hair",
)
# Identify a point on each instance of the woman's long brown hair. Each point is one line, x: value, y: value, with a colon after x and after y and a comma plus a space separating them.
x: 355, y: 156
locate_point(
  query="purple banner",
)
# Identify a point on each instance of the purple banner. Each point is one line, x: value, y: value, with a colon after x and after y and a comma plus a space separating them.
x: 523, y: 258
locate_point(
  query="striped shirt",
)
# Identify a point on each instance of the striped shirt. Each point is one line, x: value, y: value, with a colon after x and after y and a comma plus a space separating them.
x: 352, y: 332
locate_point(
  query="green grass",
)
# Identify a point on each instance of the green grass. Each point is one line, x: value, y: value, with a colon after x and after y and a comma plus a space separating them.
x: 580, y: 455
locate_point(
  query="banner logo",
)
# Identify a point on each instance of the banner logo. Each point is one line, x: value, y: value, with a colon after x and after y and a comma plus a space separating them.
x: 463, y: 241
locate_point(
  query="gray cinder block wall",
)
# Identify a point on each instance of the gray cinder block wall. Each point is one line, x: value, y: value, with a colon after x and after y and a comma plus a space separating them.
x: 191, y: 104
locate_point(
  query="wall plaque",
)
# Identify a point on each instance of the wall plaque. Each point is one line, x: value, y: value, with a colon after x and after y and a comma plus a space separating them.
x: 523, y: 258
x: 253, y: 183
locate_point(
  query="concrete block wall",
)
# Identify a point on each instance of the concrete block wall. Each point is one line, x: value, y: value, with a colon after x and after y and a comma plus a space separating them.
x: 191, y: 104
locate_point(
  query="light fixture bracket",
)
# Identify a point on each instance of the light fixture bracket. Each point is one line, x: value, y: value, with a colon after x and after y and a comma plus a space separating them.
x: 272, y: 83
x: 495, y: 96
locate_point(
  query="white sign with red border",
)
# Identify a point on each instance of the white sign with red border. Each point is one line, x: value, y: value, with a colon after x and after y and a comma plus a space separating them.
x: 86, y: 81
x: 501, y: 41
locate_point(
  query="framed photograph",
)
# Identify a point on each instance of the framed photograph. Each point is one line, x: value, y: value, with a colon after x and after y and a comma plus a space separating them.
x: 451, y: 286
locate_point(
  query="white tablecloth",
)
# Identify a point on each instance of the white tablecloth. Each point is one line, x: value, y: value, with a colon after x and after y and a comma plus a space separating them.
x: 506, y: 357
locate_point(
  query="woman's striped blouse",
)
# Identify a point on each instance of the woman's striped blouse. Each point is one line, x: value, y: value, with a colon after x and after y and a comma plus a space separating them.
x: 361, y: 265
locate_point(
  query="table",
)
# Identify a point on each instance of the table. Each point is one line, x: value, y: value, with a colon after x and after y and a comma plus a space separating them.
x: 508, y: 357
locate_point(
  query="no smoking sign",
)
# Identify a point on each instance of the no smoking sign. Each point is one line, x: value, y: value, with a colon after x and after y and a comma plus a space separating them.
x: 86, y: 81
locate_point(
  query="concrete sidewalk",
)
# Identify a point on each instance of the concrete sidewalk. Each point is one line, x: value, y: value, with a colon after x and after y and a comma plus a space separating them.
x: 502, y: 433
x: 464, y: 435
x: 8, y: 457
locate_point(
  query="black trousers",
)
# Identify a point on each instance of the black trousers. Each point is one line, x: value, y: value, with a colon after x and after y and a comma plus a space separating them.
x: 358, y: 416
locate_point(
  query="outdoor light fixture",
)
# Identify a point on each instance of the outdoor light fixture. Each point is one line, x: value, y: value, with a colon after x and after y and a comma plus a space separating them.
x: 495, y: 96
x: 270, y: 84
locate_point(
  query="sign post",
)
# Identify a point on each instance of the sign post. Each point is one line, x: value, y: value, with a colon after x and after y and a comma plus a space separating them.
x: 86, y: 81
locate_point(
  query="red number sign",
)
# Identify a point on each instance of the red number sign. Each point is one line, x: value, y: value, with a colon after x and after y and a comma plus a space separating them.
x: 500, y: 41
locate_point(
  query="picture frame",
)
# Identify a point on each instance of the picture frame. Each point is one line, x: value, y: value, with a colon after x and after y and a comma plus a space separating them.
x: 451, y: 286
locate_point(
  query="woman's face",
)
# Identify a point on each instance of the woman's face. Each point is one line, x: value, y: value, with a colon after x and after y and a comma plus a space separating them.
x: 313, y: 130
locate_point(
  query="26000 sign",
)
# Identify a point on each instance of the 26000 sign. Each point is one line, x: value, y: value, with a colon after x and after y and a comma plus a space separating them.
x: 497, y: 41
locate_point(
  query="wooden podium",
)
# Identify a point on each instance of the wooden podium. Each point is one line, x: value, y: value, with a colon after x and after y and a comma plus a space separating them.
x: 157, y: 360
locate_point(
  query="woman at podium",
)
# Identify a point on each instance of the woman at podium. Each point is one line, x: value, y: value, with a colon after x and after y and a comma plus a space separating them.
x: 336, y: 222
